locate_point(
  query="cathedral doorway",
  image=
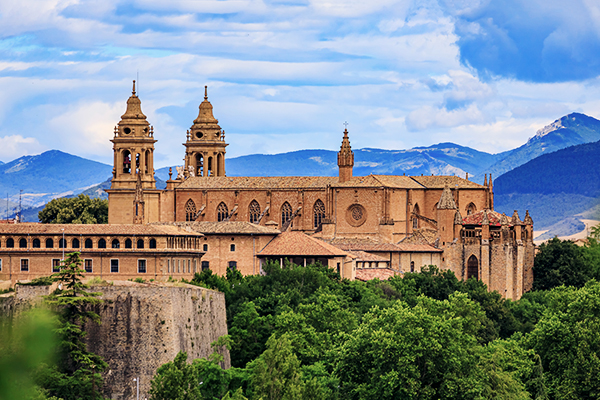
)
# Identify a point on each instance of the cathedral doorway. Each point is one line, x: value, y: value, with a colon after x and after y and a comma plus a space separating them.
x: 473, y: 268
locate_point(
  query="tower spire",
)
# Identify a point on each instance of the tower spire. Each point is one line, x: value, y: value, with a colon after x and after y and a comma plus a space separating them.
x: 345, y: 158
x: 133, y: 91
x: 205, y: 92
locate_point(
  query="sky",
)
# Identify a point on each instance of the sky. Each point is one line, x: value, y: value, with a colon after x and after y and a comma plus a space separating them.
x: 285, y: 75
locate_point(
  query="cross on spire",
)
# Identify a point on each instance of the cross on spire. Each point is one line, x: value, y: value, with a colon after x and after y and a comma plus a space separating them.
x: 345, y: 125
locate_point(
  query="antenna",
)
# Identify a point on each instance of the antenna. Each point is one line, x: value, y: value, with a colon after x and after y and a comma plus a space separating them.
x: 6, y: 206
x: 138, y: 80
x: 20, y: 209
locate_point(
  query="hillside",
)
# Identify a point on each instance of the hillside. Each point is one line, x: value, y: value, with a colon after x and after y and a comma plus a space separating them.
x: 554, y: 186
x: 570, y: 130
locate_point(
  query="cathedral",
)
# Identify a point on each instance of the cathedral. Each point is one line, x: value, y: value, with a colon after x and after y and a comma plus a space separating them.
x: 365, y: 226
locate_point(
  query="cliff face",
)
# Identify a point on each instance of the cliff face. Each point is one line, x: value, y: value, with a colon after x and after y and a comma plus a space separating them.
x: 143, y: 326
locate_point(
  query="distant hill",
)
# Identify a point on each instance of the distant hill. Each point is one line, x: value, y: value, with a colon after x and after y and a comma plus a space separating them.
x: 443, y: 158
x: 554, y: 186
x: 570, y: 130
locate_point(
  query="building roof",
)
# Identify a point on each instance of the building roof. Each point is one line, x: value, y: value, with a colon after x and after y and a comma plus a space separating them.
x: 446, y: 200
x: 421, y: 236
x: 359, y: 244
x: 223, y: 227
x: 418, y: 248
x: 396, y: 181
x: 367, y: 274
x: 258, y: 182
x: 295, y: 243
x: 94, y: 229
x: 363, y: 256
x: 439, y: 182
x: 494, y: 218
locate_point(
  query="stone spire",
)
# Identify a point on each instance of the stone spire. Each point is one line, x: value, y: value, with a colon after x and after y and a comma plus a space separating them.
x: 134, y: 107
x: 515, y: 219
x: 345, y: 159
x: 446, y: 200
x: 205, y: 111
x: 458, y: 218
x: 527, y: 220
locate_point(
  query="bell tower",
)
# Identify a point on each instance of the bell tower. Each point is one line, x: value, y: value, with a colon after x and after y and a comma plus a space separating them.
x: 133, y: 148
x: 205, y: 144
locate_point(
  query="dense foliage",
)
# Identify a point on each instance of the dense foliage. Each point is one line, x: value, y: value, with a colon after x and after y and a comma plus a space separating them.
x: 75, y: 210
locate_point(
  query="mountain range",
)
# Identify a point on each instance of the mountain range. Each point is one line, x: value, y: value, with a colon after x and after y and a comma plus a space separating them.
x: 56, y: 174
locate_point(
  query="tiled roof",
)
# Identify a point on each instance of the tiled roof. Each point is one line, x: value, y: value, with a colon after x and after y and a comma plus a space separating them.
x: 94, y: 229
x: 418, y: 248
x: 396, y: 181
x: 367, y: 274
x: 446, y: 200
x: 367, y: 257
x: 439, y: 182
x: 224, y: 227
x: 476, y: 218
x: 258, y: 182
x: 421, y: 236
x: 294, y: 243
x: 350, y: 244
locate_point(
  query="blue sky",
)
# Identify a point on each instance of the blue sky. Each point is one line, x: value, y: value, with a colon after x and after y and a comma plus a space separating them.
x: 284, y: 75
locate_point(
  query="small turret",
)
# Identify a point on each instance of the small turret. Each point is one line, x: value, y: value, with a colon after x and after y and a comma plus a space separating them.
x: 345, y: 159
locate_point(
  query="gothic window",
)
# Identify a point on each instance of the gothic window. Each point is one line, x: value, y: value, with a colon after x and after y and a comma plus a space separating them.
x: 23, y: 243
x: 49, y: 243
x: 471, y: 209
x: 415, y: 221
x: 102, y: 244
x: 254, y: 211
x: 318, y: 213
x: 286, y: 213
x: 36, y: 243
x: 222, y: 212
x: 75, y: 244
x: 128, y: 244
x: 88, y: 243
x: 190, y: 210
x: 140, y: 243
x: 473, y: 268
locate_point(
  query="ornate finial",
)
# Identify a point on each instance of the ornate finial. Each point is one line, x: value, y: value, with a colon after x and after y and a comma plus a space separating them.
x: 170, y: 172
x: 187, y: 134
x: 116, y: 131
x: 485, y: 181
x: 133, y: 91
x: 152, y: 131
x: 345, y: 126
x: 205, y: 92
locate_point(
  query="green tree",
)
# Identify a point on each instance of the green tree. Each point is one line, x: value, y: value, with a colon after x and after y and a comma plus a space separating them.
x: 75, y: 210
x: 561, y: 262
x: 77, y: 374
x: 176, y: 380
x: 567, y: 338
x: 276, y: 373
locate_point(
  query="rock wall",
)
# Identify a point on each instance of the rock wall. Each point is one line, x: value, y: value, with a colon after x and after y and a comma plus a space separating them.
x: 143, y: 326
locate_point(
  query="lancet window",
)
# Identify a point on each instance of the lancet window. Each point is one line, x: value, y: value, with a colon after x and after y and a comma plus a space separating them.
x: 222, y: 212
x: 190, y: 210
x: 254, y: 211
x: 286, y: 213
x: 318, y: 213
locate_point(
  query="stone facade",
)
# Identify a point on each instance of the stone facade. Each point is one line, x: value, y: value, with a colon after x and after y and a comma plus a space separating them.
x: 374, y: 209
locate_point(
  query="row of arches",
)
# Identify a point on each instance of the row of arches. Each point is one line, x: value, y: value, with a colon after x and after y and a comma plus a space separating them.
x: 254, y: 212
x: 140, y: 160
x: 211, y: 166
x: 75, y: 243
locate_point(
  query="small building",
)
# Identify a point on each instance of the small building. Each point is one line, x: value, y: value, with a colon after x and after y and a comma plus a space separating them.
x: 110, y: 252
x: 301, y: 249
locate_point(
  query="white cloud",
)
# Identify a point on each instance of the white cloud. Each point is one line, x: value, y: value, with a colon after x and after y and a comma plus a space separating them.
x: 15, y: 146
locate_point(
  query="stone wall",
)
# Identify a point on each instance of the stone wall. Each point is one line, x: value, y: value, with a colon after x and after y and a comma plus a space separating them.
x: 143, y: 327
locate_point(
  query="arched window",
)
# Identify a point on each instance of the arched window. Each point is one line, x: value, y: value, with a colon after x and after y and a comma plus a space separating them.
x: 254, y: 211
x: 199, y: 164
x: 75, y: 244
x: 101, y: 244
x: 126, y: 162
x: 115, y: 244
x: 140, y: 243
x: 204, y: 247
x: 62, y: 243
x: 88, y: 243
x: 471, y: 209
x: 190, y: 210
x: 412, y: 266
x: 128, y: 243
x: 49, y: 243
x: 318, y: 213
x: 414, y: 217
x: 36, y: 243
x: 10, y: 242
x: 152, y: 243
x: 286, y: 213
x: 23, y: 243
x: 473, y: 268
x: 232, y: 247
x: 209, y: 170
x: 222, y: 212
x: 146, y: 161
